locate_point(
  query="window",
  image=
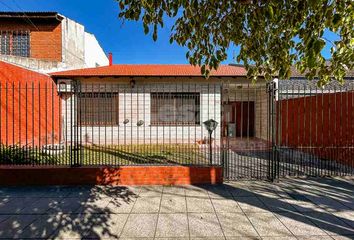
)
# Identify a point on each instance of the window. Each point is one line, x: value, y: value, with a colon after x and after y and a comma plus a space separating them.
x: 175, y: 108
x: 98, y: 109
x: 15, y: 43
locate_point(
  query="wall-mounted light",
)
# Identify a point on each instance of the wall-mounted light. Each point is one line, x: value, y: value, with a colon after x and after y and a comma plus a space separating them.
x: 132, y: 83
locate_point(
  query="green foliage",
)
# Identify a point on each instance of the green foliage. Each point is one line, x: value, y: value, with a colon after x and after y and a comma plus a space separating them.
x: 15, y: 154
x: 273, y: 35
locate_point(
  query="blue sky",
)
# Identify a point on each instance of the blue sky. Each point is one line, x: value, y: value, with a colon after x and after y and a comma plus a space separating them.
x: 126, y: 41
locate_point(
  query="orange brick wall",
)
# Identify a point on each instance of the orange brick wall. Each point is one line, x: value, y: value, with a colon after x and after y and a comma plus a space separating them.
x: 45, y: 38
x: 30, y: 114
x: 129, y: 175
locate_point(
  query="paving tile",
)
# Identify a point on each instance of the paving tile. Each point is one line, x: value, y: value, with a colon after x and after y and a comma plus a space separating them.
x: 328, y: 204
x: 43, y: 227
x: 346, y: 216
x: 329, y: 223
x: 120, y: 205
x: 276, y: 204
x: 280, y: 238
x: 14, y: 225
x: 172, y: 225
x: 105, y: 226
x: 225, y: 205
x: 140, y: 225
x: 143, y: 238
x: 251, y: 204
x: 204, y: 225
x: 241, y: 192
x: 147, y: 205
x: 298, y: 224
x: 267, y: 225
x: 193, y: 191
x: 41, y: 206
x: 349, y: 237
x: 201, y: 238
x: 175, y: 190
x: 219, y: 191
x: 197, y: 204
x: 71, y: 226
x: 150, y: 191
x: 95, y: 206
x: 68, y: 205
x: 314, y: 238
x: 236, y: 224
x: 173, y: 204
x: 15, y: 205
x: 303, y: 205
x: 242, y: 238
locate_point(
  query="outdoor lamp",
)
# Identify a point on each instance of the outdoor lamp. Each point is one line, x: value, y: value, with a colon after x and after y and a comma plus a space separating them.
x: 210, y: 125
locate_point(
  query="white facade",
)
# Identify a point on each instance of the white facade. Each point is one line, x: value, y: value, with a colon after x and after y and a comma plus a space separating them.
x: 94, y: 54
x: 135, y: 106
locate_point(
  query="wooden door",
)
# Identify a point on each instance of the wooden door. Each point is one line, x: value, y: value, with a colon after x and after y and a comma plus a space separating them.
x: 243, y: 114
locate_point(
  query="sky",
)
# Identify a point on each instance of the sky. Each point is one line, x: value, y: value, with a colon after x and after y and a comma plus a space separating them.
x: 126, y: 40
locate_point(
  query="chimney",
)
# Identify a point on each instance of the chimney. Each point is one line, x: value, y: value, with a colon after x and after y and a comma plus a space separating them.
x: 110, y: 58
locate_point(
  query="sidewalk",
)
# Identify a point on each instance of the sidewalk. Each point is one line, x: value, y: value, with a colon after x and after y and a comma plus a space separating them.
x: 291, y: 209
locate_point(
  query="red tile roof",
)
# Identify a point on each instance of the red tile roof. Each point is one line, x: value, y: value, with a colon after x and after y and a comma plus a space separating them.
x: 151, y: 70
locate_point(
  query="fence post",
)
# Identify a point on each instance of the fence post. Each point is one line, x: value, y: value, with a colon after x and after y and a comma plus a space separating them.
x: 74, y: 145
x: 273, y: 163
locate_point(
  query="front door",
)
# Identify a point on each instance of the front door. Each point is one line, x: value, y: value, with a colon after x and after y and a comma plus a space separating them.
x: 241, y: 117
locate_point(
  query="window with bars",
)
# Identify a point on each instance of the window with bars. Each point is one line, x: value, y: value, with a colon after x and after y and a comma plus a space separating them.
x: 175, y: 108
x: 99, y: 109
x: 16, y: 43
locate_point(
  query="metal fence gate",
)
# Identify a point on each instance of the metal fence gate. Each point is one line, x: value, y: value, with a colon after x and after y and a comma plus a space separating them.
x: 287, y: 128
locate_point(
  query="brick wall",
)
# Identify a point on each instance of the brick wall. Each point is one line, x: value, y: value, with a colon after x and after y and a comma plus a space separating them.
x: 134, y: 175
x: 45, y: 38
x: 30, y: 113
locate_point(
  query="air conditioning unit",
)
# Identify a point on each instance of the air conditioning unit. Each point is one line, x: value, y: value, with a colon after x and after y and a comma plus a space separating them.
x: 65, y: 86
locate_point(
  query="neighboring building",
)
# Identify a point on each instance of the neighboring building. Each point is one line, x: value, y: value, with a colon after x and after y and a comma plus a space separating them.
x: 160, y: 103
x: 47, y: 41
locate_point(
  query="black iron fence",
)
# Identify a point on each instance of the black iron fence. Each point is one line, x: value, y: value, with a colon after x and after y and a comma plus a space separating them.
x: 264, y: 131
x: 86, y: 124
x: 289, y: 128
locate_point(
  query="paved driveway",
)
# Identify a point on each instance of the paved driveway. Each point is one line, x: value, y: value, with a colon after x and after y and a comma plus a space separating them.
x: 291, y: 209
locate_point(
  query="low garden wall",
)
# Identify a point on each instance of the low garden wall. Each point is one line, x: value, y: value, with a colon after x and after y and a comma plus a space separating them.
x: 125, y: 175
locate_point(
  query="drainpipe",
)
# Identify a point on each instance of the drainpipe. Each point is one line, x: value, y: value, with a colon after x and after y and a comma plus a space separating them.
x: 110, y: 58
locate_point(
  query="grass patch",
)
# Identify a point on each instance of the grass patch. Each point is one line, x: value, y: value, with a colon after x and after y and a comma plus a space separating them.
x: 89, y: 155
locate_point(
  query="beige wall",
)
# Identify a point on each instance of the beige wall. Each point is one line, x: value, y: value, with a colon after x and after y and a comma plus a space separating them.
x: 135, y: 105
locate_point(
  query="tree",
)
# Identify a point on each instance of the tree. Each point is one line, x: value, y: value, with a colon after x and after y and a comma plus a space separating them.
x: 273, y: 35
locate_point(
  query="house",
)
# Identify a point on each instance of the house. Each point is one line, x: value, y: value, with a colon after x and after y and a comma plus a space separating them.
x: 137, y: 104
x: 47, y: 41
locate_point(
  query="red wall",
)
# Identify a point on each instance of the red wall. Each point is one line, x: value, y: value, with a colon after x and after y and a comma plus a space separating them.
x: 324, y: 122
x: 125, y: 175
x: 33, y: 120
